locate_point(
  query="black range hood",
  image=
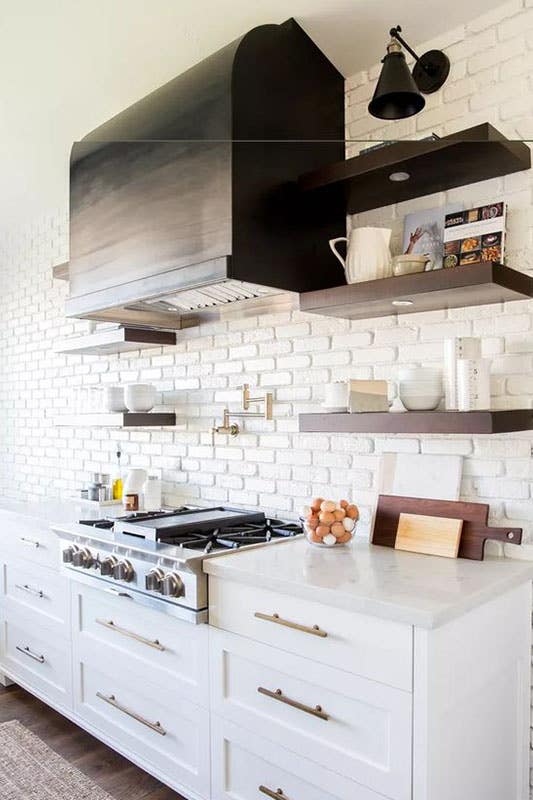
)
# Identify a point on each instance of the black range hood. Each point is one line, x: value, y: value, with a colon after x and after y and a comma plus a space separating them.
x: 188, y: 202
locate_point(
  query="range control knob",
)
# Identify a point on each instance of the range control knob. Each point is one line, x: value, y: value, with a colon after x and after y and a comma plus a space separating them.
x: 172, y: 585
x: 68, y: 553
x: 107, y: 565
x: 123, y: 571
x: 83, y: 558
x: 153, y: 580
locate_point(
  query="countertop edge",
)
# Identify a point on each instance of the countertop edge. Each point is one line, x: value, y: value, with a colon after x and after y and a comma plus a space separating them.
x: 405, y: 614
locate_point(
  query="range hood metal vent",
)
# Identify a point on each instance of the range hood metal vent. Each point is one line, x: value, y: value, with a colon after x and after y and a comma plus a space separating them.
x: 217, y: 294
x: 188, y: 201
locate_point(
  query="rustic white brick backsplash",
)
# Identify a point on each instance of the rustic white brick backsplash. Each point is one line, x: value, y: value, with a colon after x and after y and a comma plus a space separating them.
x: 291, y: 354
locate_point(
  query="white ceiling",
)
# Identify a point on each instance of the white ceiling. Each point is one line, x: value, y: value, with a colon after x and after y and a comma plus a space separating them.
x: 68, y: 65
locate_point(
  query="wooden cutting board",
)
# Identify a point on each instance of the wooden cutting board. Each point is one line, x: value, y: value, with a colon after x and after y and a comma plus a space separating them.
x: 474, y: 515
x: 434, y: 536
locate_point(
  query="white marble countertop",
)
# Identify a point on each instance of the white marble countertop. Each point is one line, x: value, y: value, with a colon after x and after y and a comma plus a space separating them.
x: 426, y: 591
x: 56, y: 510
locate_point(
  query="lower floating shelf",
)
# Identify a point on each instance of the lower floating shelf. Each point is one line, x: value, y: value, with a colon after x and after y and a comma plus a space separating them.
x: 128, y: 419
x: 465, y: 422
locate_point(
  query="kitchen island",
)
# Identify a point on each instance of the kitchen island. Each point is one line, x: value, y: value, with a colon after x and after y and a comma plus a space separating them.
x: 370, y: 673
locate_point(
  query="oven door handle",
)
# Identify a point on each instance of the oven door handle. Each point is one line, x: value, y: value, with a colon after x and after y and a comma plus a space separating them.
x: 118, y: 593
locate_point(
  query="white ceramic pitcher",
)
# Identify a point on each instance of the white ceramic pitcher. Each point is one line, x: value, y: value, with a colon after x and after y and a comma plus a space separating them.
x: 368, y: 257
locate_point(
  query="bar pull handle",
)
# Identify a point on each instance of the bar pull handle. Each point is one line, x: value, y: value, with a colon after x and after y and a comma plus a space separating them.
x: 29, y: 542
x: 314, y: 630
x: 29, y: 589
x: 315, y: 711
x: 27, y: 652
x: 110, y: 625
x: 112, y: 701
x: 275, y: 795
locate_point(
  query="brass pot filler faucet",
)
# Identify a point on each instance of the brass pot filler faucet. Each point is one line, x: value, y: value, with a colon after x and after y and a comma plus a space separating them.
x: 232, y: 428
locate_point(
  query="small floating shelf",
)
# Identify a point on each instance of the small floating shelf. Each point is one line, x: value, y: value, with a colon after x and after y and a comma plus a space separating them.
x: 474, y: 285
x: 475, y: 154
x: 465, y: 422
x: 128, y: 419
x: 60, y: 271
x: 121, y: 339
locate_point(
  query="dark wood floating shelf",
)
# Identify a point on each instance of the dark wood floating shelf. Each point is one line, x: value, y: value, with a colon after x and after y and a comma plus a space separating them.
x: 122, y: 339
x: 473, y: 285
x: 126, y: 419
x: 466, y: 422
x: 475, y: 154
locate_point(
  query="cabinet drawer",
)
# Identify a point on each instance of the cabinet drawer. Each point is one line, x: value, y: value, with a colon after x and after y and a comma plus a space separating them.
x: 27, y: 587
x: 109, y: 627
x: 247, y: 767
x: 30, y: 540
x: 166, y: 732
x: 37, y: 657
x: 367, y: 646
x: 355, y: 727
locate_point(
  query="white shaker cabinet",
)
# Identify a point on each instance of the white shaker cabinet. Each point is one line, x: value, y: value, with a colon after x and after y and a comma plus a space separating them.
x: 419, y: 712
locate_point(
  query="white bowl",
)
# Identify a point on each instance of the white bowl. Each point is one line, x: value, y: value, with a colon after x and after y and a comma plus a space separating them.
x: 140, y: 396
x: 114, y: 399
x: 419, y: 374
x: 420, y: 388
x: 421, y: 402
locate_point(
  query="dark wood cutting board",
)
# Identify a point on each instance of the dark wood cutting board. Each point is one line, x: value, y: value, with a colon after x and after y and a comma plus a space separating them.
x: 475, y: 529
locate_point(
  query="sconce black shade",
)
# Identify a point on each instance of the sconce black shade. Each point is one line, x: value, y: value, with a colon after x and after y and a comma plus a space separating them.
x: 396, y: 95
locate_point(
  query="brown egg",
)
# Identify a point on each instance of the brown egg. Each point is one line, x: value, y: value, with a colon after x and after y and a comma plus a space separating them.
x: 326, y: 517
x: 322, y: 530
x: 312, y: 523
x: 344, y: 504
x: 327, y: 505
x: 337, y: 529
x: 352, y: 512
x: 314, y: 537
x: 339, y: 514
x: 316, y: 503
x: 344, y: 538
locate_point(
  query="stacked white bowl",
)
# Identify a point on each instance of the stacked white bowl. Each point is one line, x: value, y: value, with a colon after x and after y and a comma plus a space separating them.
x: 420, y: 388
x: 140, y: 396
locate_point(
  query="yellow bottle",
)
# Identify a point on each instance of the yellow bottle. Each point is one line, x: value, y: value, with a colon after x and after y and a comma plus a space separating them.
x: 117, y: 482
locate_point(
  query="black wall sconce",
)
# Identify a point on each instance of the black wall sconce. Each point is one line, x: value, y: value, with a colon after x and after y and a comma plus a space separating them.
x: 398, y: 92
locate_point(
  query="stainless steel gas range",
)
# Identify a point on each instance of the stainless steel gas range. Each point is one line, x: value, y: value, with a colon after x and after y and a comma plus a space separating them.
x: 155, y: 558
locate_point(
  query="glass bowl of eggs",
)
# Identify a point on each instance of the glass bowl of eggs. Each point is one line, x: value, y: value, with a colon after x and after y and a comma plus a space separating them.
x: 328, y: 523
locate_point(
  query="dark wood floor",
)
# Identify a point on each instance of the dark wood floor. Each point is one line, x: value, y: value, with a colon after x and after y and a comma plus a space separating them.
x: 118, y: 776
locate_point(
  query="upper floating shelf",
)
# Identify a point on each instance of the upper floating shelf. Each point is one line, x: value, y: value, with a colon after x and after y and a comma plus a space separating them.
x: 472, y: 285
x: 475, y: 154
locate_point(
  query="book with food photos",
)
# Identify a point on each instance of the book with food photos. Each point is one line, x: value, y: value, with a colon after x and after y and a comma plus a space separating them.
x: 474, y: 235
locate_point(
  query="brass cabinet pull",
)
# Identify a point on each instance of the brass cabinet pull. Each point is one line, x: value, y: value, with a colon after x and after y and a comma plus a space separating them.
x: 29, y: 542
x: 110, y: 625
x: 276, y: 795
x: 314, y: 631
x: 278, y: 695
x: 29, y: 589
x: 112, y: 701
x: 27, y: 652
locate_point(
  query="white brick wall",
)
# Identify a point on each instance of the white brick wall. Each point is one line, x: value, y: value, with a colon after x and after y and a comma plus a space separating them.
x: 271, y: 464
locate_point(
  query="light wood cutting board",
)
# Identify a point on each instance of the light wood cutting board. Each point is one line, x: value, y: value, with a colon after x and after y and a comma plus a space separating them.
x: 435, y: 536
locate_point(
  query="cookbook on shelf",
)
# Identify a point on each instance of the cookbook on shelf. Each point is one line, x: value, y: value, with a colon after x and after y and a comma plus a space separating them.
x: 474, y: 235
